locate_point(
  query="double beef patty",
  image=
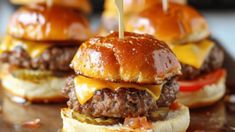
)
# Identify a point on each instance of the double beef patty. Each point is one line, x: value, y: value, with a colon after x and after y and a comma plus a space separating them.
x: 124, y: 102
x: 212, y: 62
x: 54, y: 58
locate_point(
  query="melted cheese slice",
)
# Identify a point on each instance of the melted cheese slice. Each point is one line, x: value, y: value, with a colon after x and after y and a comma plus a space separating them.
x: 34, y: 49
x: 86, y: 87
x: 193, y: 54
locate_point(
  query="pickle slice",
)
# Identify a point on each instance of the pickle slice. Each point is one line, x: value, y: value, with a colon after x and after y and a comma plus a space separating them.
x: 35, y: 76
x: 92, y: 120
x: 160, y: 114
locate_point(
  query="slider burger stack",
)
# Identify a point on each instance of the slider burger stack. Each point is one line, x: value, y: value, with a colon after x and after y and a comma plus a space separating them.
x: 187, y: 33
x: 40, y: 43
x: 124, y: 85
x: 132, y: 7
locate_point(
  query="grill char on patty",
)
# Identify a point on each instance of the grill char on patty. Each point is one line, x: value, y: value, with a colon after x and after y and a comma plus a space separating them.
x: 124, y: 102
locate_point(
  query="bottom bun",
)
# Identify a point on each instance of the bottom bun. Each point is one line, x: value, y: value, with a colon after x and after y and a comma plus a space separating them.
x: 176, y: 121
x: 45, y: 91
x: 205, y: 96
x: 4, y: 70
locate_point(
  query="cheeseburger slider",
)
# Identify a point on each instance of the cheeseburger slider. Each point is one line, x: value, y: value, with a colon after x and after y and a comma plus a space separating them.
x: 124, y: 85
x: 82, y: 5
x: 132, y: 7
x: 38, y: 47
x: 186, y: 32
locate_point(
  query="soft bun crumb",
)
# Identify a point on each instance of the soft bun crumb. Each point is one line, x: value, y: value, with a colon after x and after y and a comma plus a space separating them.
x: 205, y: 96
x: 176, y: 121
x: 137, y: 58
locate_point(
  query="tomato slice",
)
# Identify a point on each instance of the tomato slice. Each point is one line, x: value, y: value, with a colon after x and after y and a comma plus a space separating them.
x: 174, y: 106
x: 194, y: 85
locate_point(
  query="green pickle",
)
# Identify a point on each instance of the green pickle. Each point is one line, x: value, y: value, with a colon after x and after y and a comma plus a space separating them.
x: 92, y: 120
x: 35, y: 76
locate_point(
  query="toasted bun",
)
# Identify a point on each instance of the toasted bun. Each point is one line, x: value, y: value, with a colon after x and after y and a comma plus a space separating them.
x: 180, y: 24
x: 47, y: 91
x: 4, y: 70
x: 176, y: 121
x: 83, y: 5
x: 134, y: 6
x: 204, y: 97
x: 137, y: 58
x: 41, y: 23
x: 109, y: 16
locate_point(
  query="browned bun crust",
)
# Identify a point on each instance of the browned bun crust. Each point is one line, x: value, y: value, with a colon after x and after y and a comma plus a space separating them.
x: 135, y: 6
x: 139, y: 5
x: 42, y: 23
x: 180, y: 24
x: 132, y: 7
x: 137, y: 58
x: 83, y: 5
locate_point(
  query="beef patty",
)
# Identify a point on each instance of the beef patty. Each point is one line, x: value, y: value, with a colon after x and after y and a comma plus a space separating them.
x: 54, y: 58
x: 212, y: 62
x: 124, y: 102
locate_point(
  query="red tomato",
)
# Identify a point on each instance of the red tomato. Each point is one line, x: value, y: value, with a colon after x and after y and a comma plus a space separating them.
x: 194, y: 85
x: 174, y: 106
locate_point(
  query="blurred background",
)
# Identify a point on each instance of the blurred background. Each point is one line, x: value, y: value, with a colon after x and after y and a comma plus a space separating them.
x: 220, y: 15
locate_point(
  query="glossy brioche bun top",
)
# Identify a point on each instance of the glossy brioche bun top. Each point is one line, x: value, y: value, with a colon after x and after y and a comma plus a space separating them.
x: 82, y: 5
x: 133, y: 6
x: 137, y: 58
x: 180, y: 24
x: 109, y: 18
x: 42, y: 23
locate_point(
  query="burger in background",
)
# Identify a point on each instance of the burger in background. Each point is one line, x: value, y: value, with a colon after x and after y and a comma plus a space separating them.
x: 124, y: 85
x: 109, y: 21
x: 187, y: 33
x: 82, y: 5
x: 37, y: 50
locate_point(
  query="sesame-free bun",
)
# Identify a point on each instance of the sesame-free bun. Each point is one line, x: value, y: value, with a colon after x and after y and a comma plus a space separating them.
x: 45, y: 91
x: 42, y: 23
x: 132, y: 7
x: 135, y: 6
x: 180, y: 24
x: 137, y: 58
x: 206, y: 96
x: 176, y: 121
x: 83, y: 5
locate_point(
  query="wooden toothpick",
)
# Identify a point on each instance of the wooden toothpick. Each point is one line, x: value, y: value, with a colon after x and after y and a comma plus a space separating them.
x: 49, y: 3
x: 119, y: 5
x: 165, y: 5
